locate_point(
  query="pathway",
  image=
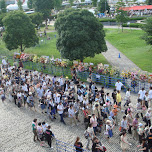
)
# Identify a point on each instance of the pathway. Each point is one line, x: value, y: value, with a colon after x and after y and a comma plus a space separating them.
x: 122, y: 63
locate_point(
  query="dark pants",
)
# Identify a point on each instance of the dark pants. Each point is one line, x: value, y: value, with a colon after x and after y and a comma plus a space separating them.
x: 148, y: 123
x: 146, y: 104
x: 61, y: 116
x: 95, y: 130
x: 129, y: 130
x: 49, y: 142
x: 35, y: 135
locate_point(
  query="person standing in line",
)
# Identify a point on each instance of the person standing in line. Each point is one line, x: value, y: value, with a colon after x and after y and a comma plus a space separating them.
x: 72, y: 115
x: 90, y: 131
x: 60, y: 110
x: 124, y: 142
x: 48, y: 136
x: 129, y: 120
x: 135, y: 126
x: 141, y: 95
x: 118, y: 85
x: 119, y: 98
x: 93, y: 121
x: 150, y: 95
x: 78, y: 145
x: 34, y: 129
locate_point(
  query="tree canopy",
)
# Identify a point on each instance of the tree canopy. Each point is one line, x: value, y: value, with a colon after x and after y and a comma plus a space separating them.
x: 149, y: 2
x: 94, y: 2
x: 103, y: 6
x: 121, y: 16
x: 1, y: 18
x: 19, y: 3
x: 3, y: 6
x: 19, y: 31
x: 36, y: 18
x: 30, y: 4
x: 44, y: 7
x: 80, y: 34
x: 57, y: 4
x: 148, y: 30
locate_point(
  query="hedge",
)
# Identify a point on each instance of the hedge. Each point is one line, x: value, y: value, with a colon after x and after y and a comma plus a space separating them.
x: 114, y: 20
x: 137, y: 25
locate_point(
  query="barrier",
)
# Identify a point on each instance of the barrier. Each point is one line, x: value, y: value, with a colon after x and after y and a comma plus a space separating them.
x: 104, y: 80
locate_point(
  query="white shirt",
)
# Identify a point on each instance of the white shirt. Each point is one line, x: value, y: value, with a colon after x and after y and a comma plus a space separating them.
x: 150, y: 94
x: 60, y: 81
x: 71, y: 112
x: 142, y: 94
x: 61, y: 108
x: 118, y: 86
x: 4, y: 62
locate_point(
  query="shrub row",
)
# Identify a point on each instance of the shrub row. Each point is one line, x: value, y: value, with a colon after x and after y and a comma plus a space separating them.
x: 136, y: 25
x: 114, y: 20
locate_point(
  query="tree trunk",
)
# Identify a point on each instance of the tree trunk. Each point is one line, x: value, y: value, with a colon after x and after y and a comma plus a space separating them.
x: 122, y: 26
x: 22, y: 48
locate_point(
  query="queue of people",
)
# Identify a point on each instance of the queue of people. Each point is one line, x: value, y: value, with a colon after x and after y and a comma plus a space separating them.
x: 72, y: 98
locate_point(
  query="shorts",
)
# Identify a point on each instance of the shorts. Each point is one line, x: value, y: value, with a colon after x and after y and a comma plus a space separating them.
x: 119, y: 103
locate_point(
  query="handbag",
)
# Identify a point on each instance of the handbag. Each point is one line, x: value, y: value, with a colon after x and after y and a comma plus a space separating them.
x: 86, y: 134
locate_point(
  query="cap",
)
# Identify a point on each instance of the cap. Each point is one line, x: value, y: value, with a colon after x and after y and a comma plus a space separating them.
x: 140, y: 125
x: 104, y: 105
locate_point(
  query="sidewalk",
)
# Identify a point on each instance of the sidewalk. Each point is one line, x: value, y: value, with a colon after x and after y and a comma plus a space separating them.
x: 123, y: 63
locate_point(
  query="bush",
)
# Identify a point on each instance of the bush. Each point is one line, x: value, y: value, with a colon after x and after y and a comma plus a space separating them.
x: 52, y: 17
x: 114, y: 20
x: 136, y: 25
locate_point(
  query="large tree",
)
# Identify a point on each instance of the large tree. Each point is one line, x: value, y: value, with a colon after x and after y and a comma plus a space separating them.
x: 19, y: 31
x: 148, y: 31
x: 30, y: 4
x: 94, y: 2
x: 81, y: 35
x: 19, y: 3
x: 103, y: 6
x: 36, y: 18
x: 44, y: 7
x: 57, y: 4
x: 1, y: 18
x: 121, y: 16
x: 149, y: 2
x: 3, y: 6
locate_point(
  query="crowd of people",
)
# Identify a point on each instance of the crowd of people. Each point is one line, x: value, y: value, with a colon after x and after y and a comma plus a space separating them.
x: 73, y: 98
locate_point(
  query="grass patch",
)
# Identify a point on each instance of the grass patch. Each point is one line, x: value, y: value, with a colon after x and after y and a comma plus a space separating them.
x: 48, y: 48
x: 130, y: 44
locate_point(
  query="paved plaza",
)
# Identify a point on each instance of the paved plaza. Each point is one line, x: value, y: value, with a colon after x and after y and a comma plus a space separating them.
x: 16, y: 131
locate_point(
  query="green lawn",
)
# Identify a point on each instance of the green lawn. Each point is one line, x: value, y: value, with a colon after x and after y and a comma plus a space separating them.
x: 48, y: 48
x: 130, y: 44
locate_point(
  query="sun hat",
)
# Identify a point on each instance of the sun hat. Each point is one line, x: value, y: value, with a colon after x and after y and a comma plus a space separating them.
x: 140, y: 125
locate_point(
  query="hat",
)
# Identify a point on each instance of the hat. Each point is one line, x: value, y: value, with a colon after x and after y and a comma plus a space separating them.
x: 140, y: 125
x: 104, y: 105
x: 130, y: 104
x: 30, y: 93
x: 149, y: 109
x: 110, y: 118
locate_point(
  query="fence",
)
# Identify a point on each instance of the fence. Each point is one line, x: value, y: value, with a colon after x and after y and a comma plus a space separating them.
x: 65, y: 147
x: 104, y: 80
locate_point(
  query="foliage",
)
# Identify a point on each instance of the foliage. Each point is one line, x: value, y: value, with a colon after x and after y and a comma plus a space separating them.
x: 80, y: 36
x: 30, y: 4
x: 44, y: 7
x: 19, y: 31
x: 130, y: 44
x: 19, y: 3
x: 57, y: 4
x: 121, y: 16
x: 3, y: 6
x: 36, y: 18
x: 136, y: 25
x: 149, y: 2
x: 103, y: 6
x: 148, y: 31
x: 1, y: 18
x: 94, y: 2
x: 71, y: 2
